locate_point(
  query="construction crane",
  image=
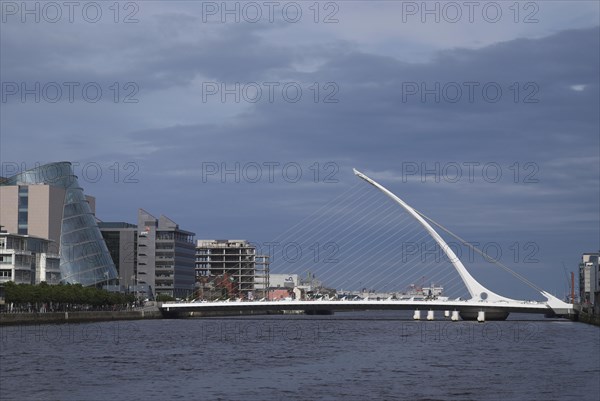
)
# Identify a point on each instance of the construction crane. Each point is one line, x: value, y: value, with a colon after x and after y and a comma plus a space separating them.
x: 571, y: 283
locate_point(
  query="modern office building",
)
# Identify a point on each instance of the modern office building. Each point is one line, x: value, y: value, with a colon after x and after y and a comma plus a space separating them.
x: 47, y: 202
x: 589, y: 281
x: 165, y: 257
x: 121, y: 240
x: 26, y: 259
x: 233, y: 265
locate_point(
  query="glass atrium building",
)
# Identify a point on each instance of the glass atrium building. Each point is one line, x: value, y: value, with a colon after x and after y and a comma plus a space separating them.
x: 49, y: 202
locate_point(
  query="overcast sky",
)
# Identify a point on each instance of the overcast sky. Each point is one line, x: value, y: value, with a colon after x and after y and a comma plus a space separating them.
x: 246, y: 123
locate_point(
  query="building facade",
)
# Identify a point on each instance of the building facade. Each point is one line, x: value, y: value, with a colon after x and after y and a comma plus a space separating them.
x: 165, y: 257
x: 231, y: 265
x: 48, y: 202
x: 121, y: 241
x: 26, y: 259
x: 284, y: 280
x: 589, y: 281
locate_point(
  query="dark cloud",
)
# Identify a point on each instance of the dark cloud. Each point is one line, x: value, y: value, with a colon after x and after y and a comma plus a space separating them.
x: 375, y: 116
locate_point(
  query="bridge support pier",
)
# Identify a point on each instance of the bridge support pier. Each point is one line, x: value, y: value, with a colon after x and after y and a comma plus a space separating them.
x: 417, y: 315
x: 481, y: 316
x: 455, y: 316
x: 446, y: 314
x: 430, y: 315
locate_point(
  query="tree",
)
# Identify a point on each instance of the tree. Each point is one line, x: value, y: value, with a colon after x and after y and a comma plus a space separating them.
x: 63, y: 294
x: 164, y: 298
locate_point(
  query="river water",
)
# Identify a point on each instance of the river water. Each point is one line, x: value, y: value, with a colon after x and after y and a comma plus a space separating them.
x: 377, y: 355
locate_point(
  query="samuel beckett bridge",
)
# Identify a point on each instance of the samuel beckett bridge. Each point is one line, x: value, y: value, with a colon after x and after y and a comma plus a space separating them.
x: 482, y: 305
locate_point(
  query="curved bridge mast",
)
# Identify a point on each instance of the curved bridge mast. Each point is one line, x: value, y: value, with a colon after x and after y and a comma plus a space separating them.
x: 477, y: 291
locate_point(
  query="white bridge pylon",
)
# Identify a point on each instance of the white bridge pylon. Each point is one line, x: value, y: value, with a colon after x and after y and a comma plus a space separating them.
x: 477, y: 291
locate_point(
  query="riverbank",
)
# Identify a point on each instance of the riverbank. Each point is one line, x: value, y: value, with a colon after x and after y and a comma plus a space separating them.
x: 7, y: 319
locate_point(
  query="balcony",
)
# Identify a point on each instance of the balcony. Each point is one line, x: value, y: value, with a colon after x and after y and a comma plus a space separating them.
x: 21, y: 252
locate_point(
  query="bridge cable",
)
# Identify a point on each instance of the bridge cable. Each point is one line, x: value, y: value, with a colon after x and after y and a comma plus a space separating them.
x: 485, y: 255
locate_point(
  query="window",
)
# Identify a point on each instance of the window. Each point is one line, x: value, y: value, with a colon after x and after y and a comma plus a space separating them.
x: 164, y: 235
x: 23, y: 209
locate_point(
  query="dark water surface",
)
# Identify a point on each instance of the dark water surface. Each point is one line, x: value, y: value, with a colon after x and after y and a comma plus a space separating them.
x: 348, y: 356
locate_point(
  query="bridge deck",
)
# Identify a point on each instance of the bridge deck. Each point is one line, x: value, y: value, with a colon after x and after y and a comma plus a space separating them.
x: 461, y: 306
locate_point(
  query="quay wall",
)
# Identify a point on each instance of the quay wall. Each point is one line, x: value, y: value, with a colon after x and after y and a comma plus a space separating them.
x: 77, y: 317
x: 7, y: 319
x: 589, y: 318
